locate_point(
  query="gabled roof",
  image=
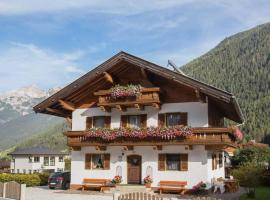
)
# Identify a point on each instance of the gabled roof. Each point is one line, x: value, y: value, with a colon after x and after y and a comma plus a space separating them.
x: 225, y: 99
x: 36, y: 151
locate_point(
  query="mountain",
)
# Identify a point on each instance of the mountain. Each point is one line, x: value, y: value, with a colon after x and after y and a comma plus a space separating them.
x: 17, y: 120
x: 241, y: 64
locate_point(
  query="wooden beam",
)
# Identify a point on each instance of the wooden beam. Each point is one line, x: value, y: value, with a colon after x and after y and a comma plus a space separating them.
x: 200, y: 96
x: 101, y: 148
x: 108, y: 77
x: 139, y: 106
x: 158, y: 147
x: 190, y: 147
x: 156, y: 105
x: 105, y: 109
x: 121, y: 108
x: 55, y: 111
x: 76, y: 148
x: 88, y: 105
x: 129, y: 148
x: 67, y: 105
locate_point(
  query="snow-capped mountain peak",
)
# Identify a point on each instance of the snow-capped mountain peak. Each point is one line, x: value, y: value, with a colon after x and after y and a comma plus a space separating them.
x: 21, y: 101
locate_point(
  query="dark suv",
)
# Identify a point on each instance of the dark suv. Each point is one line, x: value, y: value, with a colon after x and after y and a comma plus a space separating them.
x: 59, y: 180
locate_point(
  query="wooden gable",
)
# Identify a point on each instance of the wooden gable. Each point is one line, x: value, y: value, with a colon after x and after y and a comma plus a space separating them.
x: 124, y: 69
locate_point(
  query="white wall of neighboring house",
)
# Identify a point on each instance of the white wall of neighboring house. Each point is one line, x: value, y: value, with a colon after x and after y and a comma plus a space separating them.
x: 22, y: 163
x: 198, y: 164
x: 197, y: 114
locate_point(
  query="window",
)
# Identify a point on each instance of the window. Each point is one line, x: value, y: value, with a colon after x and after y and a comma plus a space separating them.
x: 220, y: 160
x: 36, y: 159
x: 134, y: 121
x: 172, y: 119
x: 30, y: 171
x: 173, y: 162
x: 97, y: 161
x: 60, y: 170
x: 46, y: 161
x: 30, y: 159
x: 52, y: 161
x: 99, y: 122
x: 61, y: 159
x: 18, y: 171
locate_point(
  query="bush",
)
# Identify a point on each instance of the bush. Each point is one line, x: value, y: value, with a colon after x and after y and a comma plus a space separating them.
x: 28, y: 179
x: 251, y: 154
x: 43, y: 177
x: 248, y: 175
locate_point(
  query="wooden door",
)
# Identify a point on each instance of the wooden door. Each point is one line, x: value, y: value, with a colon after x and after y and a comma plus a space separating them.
x: 134, y: 169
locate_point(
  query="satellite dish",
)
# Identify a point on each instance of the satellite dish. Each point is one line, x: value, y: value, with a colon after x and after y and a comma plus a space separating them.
x: 176, y: 69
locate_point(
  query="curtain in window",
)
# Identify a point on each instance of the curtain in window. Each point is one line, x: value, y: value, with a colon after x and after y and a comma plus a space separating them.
x: 134, y: 121
x: 99, y: 122
x: 173, y: 162
x: 173, y: 119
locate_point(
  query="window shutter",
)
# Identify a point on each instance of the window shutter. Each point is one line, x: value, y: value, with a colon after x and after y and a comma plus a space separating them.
x: 214, y: 161
x: 89, y: 122
x: 220, y: 160
x: 183, y: 162
x: 161, y: 162
x: 88, y: 161
x: 107, y: 161
x: 107, y: 121
x: 161, y: 120
x: 124, y: 121
x: 143, y: 121
x: 183, y: 119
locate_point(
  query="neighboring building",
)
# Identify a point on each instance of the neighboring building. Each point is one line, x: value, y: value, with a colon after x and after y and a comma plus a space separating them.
x: 172, y: 128
x: 37, y: 159
x: 4, y: 166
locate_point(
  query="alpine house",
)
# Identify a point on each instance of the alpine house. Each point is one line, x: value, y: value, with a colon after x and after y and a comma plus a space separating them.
x: 133, y: 118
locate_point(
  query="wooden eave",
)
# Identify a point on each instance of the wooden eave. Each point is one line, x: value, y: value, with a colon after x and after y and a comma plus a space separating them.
x: 87, y: 82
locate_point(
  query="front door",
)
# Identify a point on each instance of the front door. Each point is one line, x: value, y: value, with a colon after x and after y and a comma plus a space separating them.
x: 134, y: 169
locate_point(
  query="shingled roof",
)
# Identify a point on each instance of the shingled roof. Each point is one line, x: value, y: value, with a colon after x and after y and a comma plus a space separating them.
x: 36, y: 151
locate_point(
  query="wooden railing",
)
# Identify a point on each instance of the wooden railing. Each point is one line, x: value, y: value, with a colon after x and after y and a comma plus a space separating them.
x: 214, y: 136
x: 149, y: 96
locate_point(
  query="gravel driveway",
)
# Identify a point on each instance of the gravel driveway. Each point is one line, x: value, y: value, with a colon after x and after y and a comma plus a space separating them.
x: 43, y: 193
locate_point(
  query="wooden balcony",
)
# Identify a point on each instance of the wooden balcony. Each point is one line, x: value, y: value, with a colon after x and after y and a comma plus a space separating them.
x: 222, y: 137
x: 148, y: 97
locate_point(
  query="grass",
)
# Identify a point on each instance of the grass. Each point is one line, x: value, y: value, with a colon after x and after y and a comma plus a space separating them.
x: 261, y: 193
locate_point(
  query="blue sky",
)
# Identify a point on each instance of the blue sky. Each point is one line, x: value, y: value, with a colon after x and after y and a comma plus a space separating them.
x: 51, y: 43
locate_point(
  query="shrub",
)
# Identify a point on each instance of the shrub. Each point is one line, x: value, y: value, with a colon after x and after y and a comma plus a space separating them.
x: 43, y: 177
x: 251, y: 154
x: 28, y: 179
x: 249, y: 175
x: 67, y: 164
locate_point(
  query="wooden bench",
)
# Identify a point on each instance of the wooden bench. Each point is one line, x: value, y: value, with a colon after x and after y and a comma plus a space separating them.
x: 100, y: 184
x: 172, y: 186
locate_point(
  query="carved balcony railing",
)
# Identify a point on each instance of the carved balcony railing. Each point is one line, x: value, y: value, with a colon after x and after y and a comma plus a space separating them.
x: 147, y: 97
x: 200, y: 135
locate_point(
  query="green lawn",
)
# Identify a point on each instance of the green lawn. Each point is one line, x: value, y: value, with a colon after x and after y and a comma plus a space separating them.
x: 262, y: 193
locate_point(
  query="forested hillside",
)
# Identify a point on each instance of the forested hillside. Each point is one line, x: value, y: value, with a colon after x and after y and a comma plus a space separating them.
x: 240, y: 64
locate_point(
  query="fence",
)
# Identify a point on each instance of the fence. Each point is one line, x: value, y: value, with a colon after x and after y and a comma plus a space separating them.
x: 12, y: 190
x: 138, y: 196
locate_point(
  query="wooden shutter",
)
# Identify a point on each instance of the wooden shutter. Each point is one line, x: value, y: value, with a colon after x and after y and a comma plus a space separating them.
x: 143, y: 121
x: 183, y: 162
x: 124, y: 121
x: 214, y: 161
x: 161, y: 162
x: 107, y: 161
x: 89, y: 122
x: 183, y: 119
x: 88, y: 161
x: 220, y: 160
x: 107, y: 121
x: 161, y: 120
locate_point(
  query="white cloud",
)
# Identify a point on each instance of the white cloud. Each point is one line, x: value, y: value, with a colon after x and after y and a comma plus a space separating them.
x: 25, y: 64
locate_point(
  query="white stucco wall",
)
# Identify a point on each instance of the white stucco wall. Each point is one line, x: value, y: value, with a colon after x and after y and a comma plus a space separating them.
x: 22, y: 163
x: 198, y: 164
x: 197, y: 114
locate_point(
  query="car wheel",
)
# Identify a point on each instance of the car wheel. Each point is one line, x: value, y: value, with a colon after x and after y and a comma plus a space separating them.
x: 66, y: 186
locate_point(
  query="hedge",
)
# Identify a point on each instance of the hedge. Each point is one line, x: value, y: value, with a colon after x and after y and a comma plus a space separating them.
x: 43, y: 178
x: 28, y: 179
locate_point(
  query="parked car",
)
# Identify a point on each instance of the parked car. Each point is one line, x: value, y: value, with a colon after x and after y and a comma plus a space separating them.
x: 59, y: 180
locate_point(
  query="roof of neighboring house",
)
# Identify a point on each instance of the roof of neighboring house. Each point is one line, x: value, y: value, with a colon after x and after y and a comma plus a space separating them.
x: 87, y: 82
x: 36, y: 151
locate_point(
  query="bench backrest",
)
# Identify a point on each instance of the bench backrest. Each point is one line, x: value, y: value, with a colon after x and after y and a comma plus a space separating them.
x: 173, y: 183
x: 95, y: 181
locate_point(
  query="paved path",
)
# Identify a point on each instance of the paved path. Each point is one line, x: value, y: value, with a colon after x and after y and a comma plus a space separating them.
x: 43, y: 193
